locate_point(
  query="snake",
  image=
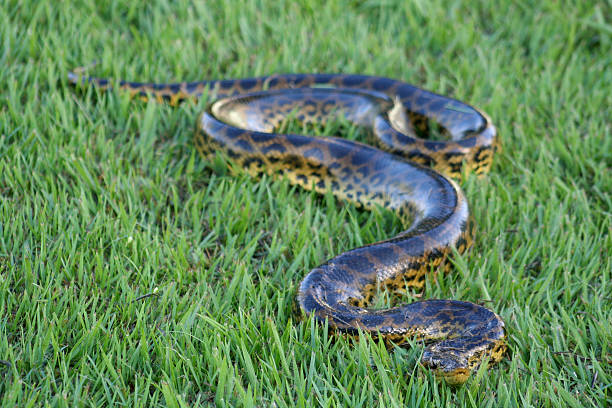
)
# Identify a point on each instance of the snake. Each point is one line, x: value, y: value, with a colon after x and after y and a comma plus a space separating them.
x: 404, y: 168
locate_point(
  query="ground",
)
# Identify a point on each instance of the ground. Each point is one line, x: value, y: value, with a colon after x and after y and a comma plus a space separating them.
x: 134, y: 273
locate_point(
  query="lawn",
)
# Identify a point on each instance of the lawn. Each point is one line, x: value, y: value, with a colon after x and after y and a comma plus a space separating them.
x: 134, y: 273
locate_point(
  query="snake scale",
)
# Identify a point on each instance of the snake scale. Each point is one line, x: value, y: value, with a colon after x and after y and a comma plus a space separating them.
x: 403, y: 174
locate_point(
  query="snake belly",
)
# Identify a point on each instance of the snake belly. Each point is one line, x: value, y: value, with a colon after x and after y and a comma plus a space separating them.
x: 403, y: 173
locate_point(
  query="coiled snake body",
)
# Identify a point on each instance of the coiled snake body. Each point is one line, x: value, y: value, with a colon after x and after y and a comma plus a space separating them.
x: 397, y: 175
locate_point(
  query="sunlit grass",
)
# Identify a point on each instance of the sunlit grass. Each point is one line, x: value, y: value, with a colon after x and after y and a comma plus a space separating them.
x: 134, y: 273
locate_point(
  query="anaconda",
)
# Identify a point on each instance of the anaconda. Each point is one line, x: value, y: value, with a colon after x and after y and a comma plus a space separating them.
x: 402, y: 173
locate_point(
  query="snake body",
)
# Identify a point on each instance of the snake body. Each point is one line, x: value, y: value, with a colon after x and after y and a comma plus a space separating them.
x: 402, y: 174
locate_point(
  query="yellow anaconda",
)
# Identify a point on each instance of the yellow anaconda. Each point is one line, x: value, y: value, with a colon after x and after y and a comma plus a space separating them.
x: 397, y: 175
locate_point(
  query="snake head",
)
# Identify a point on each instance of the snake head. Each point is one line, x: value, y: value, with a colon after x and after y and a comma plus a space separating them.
x: 447, y: 364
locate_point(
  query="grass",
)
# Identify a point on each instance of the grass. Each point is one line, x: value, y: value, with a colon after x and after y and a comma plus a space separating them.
x: 133, y: 273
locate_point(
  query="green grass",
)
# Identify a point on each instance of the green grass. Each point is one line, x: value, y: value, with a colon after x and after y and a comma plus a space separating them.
x: 134, y: 273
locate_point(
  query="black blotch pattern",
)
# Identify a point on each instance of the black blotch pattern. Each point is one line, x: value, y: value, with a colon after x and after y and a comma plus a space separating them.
x: 384, y: 255
x: 299, y: 140
x: 192, y: 87
x: 272, y: 82
x: 433, y: 145
x: 467, y: 142
x: 293, y: 161
x: 358, y: 263
x: 337, y: 152
x: 455, y: 168
x: 382, y: 84
x: 233, y: 154
x: 372, y: 320
x: 314, y: 167
x: 451, y: 155
x: 420, y: 157
x: 244, y: 145
x: 364, y: 171
x: 433, y: 255
x: 461, y: 241
x: 359, y: 158
x: 233, y: 132
x: 226, y: 84
x: 247, y: 84
x: 260, y: 137
x: 250, y: 160
x: 274, y: 147
x: 479, y: 154
x: 353, y: 81
x: 314, y: 153
x: 403, y: 139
